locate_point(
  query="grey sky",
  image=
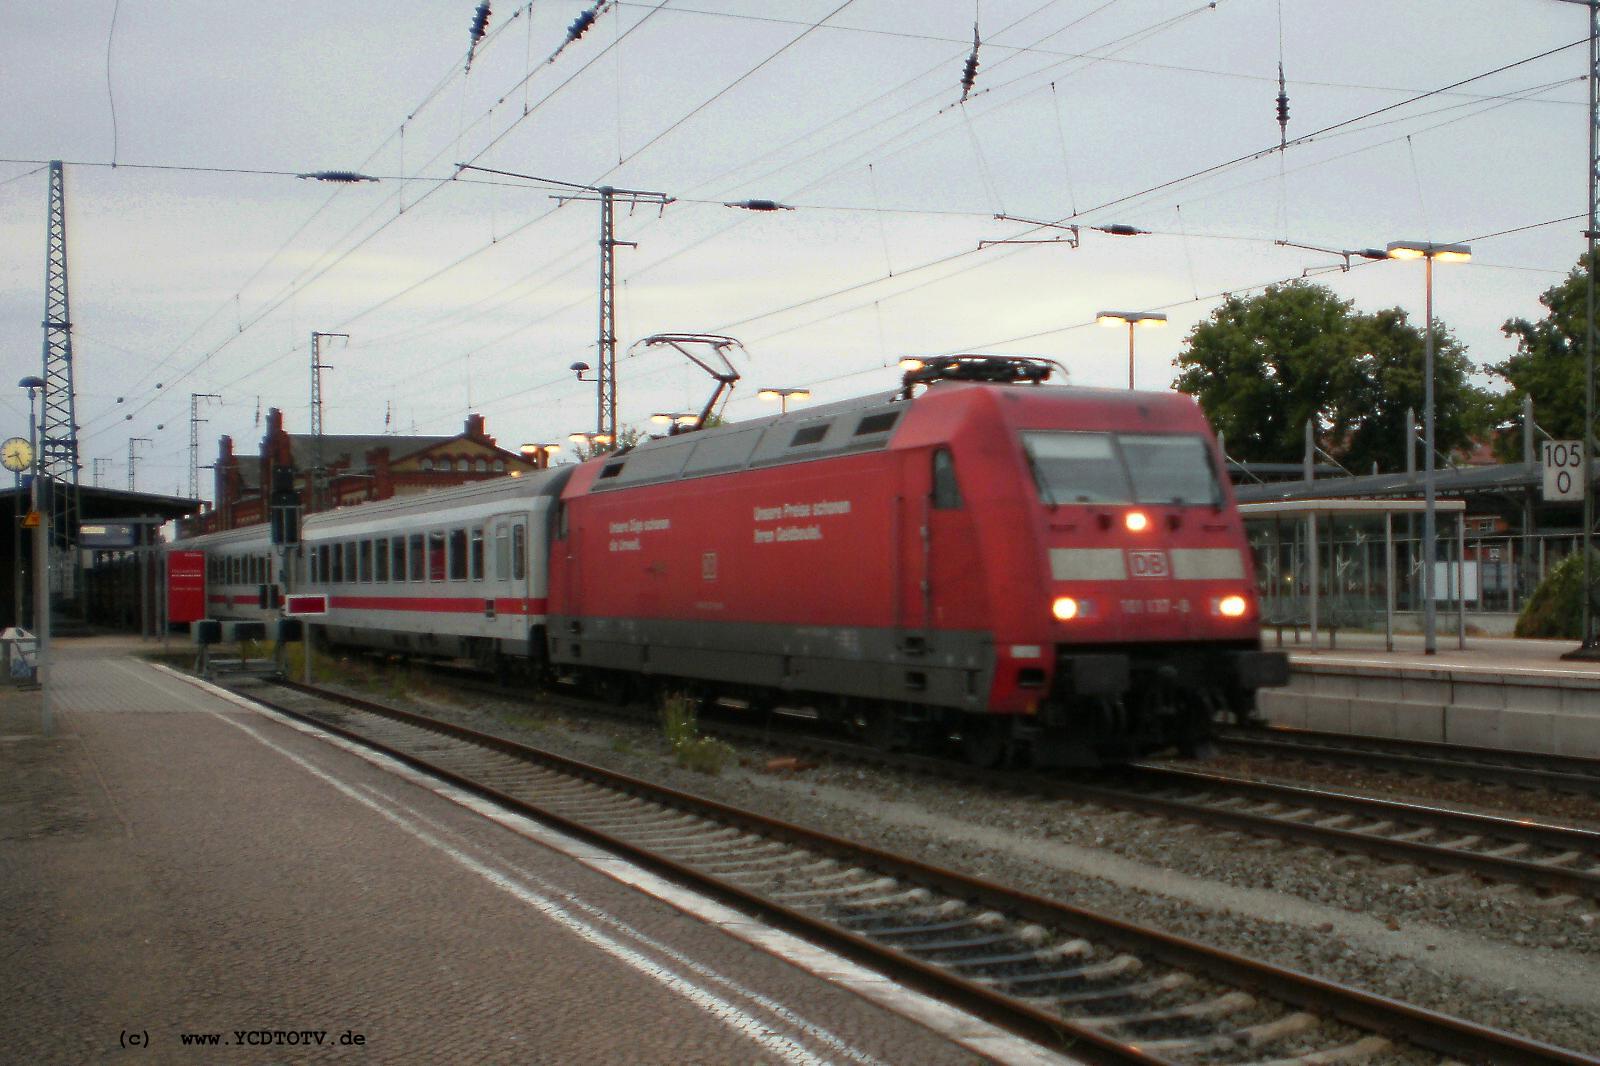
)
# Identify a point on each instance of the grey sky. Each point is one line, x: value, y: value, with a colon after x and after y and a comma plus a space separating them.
x: 212, y: 282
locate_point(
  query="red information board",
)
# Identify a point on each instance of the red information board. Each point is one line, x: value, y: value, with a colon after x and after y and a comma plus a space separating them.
x: 304, y: 605
x: 186, y: 586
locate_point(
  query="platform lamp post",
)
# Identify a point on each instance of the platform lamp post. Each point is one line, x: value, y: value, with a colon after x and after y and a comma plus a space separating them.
x: 1146, y: 319
x: 675, y: 421
x: 1444, y: 253
x: 539, y: 455
x: 783, y: 396
x: 41, y: 563
x: 34, y: 385
x: 595, y: 441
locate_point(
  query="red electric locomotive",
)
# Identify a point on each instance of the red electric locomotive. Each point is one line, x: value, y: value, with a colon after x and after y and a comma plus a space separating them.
x: 1027, y: 567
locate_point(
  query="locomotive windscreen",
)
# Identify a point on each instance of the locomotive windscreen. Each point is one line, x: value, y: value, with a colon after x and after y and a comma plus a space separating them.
x: 1152, y: 468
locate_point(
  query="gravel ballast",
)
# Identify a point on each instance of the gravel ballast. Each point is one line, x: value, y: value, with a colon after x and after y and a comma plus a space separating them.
x: 1501, y: 957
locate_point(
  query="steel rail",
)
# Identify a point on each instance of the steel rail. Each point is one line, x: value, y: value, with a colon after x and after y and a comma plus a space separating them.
x: 1563, y: 773
x: 1435, y: 856
x: 1505, y: 868
x: 1430, y: 1029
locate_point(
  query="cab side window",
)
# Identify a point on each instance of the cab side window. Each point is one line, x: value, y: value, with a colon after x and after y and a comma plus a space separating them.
x: 946, y: 493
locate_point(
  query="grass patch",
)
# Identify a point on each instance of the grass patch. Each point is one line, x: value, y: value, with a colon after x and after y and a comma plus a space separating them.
x: 703, y: 755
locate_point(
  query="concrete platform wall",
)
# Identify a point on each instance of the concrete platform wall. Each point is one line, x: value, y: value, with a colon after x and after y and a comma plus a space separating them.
x: 1526, y: 712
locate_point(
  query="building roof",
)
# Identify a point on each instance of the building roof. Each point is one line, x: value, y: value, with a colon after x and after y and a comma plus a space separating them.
x: 1505, y: 477
x: 96, y: 503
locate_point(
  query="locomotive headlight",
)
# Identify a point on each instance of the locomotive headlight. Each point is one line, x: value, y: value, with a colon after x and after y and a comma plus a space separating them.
x: 1136, y: 521
x: 1233, y: 606
x: 1065, y: 608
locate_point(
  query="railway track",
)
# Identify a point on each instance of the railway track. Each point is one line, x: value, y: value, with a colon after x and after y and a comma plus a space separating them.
x: 1562, y: 862
x: 1561, y: 773
x: 1099, y: 989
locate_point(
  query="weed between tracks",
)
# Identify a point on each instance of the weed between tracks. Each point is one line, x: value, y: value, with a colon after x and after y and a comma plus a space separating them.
x: 704, y: 755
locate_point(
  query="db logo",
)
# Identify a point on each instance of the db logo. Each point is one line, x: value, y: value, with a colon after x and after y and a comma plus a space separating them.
x: 1148, y: 564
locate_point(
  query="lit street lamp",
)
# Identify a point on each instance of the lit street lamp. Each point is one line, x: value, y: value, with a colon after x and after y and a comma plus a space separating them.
x: 596, y: 442
x: 675, y: 421
x: 1147, y: 319
x: 783, y: 396
x: 1444, y: 253
x: 540, y: 455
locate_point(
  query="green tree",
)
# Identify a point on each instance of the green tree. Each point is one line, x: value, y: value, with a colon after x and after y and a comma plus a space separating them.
x: 1262, y: 365
x: 1548, y: 364
x: 1389, y: 379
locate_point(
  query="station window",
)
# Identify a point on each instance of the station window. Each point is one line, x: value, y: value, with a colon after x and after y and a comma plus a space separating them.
x: 481, y: 466
x: 416, y: 558
x: 502, y: 552
x: 475, y: 554
x: 397, y: 548
x: 499, y: 466
x: 458, y: 555
x: 946, y: 491
x: 436, y: 556
x: 519, y: 552
x: 463, y: 465
x: 380, y: 560
x: 426, y: 464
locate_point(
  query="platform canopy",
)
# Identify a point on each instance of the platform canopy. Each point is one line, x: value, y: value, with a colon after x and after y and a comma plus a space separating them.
x: 103, y: 504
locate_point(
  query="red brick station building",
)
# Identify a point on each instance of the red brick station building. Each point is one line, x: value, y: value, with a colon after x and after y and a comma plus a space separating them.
x: 359, y: 469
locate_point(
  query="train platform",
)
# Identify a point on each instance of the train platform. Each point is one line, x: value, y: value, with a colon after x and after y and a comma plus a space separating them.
x: 1496, y: 692
x: 181, y: 871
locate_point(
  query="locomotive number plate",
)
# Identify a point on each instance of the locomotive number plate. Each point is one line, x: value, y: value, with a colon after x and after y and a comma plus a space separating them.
x: 1148, y: 564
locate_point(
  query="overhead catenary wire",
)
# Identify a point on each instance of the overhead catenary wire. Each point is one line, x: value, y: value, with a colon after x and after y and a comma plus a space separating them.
x: 881, y: 207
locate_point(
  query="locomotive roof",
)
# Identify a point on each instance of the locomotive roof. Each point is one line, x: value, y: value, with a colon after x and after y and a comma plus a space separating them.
x: 860, y: 424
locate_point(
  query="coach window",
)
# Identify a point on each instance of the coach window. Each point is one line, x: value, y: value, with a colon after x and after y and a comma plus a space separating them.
x: 311, y: 567
x: 335, y: 563
x: 380, y: 559
x: 364, y: 559
x: 458, y: 555
x: 519, y: 552
x: 397, y: 549
x: 502, y: 552
x: 946, y: 493
x: 351, y: 574
x: 416, y: 558
x: 475, y: 554
x: 436, y: 556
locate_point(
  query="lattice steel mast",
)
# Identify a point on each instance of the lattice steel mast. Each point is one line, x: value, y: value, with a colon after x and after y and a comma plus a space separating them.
x: 58, y: 426
x: 194, y: 439
x: 319, y: 472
